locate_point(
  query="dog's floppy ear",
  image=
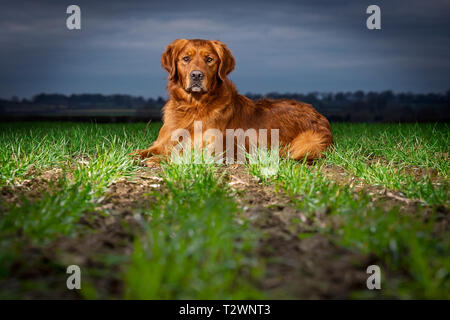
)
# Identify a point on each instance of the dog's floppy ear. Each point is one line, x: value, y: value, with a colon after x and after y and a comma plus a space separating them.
x: 226, y: 59
x: 168, y: 58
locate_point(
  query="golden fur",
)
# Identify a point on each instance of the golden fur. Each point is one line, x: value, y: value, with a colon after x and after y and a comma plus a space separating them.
x: 218, y: 105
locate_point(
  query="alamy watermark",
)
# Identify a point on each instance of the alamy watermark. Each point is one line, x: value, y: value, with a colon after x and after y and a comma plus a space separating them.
x: 73, y: 22
x: 74, y: 280
x: 373, y: 22
x: 374, y: 280
x: 236, y: 146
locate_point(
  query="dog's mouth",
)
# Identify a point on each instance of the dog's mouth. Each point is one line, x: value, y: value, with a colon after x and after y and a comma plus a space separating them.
x: 196, y: 87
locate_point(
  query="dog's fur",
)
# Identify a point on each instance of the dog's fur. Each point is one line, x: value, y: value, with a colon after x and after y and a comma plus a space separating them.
x: 215, y: 101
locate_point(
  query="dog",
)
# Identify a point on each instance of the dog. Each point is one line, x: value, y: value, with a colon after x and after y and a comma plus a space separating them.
x: 199, y: 90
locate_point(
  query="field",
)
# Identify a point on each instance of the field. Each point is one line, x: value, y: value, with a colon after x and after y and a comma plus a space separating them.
x: 71, y: 195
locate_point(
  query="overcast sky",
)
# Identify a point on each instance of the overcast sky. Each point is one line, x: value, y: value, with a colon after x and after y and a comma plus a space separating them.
x: 284, y: 46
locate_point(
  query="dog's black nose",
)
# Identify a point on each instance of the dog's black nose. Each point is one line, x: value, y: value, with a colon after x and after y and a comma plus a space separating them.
x: 197, y: 75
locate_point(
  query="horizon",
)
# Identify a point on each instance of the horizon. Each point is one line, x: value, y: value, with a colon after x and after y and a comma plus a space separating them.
x: 165, y: 97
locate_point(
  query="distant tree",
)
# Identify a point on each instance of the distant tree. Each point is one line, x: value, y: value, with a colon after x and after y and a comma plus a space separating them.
x: 50, y: 99
x: 340, y: 97
x: 359, y: 95
x: 340, y: 106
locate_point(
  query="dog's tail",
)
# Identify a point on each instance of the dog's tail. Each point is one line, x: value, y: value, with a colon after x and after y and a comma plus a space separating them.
x: 310, y: 144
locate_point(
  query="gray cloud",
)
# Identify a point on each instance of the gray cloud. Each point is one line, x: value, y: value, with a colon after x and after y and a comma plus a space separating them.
x: 279, y: 46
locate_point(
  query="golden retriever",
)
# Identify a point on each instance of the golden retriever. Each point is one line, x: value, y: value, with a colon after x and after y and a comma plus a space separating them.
x: 200, y: 91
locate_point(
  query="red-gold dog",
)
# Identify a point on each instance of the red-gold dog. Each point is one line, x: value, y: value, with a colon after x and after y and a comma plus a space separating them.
x: 200, y: 91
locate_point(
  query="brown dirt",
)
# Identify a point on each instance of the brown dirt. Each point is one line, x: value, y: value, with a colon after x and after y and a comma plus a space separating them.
x: 124, y: 194
x: 47, y: 265
x: 109, y: 232
x: 417, y: 172
x: 313, y: 266
x: 32, y: 188
x: 383, y: 196
x: 310, y: 267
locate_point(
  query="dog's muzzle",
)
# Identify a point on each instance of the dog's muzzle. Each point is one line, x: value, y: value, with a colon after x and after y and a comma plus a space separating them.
x: 196, y: 82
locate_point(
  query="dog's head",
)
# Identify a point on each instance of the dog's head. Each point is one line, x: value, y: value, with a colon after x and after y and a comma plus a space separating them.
x: 197, y: 66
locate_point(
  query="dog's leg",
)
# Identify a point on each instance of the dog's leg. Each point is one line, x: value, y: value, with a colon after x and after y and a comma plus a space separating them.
x: 159, y: 147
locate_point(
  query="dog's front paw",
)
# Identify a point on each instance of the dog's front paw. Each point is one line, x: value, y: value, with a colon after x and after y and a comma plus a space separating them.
x: 141, y: 153
x: 152, y: 162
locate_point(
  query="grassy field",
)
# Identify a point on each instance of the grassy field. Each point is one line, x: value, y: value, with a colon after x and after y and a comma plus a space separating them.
x: 70, y: 194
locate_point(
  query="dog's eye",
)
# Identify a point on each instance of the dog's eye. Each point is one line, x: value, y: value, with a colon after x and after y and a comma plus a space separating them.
x: 209, y: 59
x: 186, y: 59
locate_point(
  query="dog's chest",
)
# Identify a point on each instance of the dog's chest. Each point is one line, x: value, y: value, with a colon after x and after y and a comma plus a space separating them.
x: 186, y: 117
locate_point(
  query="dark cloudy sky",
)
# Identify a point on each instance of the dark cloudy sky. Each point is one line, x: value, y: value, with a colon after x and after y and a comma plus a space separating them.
x: 284, y: 46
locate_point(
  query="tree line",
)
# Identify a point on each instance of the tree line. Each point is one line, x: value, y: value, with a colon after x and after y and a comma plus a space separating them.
x: 341, y: 106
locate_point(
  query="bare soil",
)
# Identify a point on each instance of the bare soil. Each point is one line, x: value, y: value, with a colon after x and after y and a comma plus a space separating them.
x: 310, y: 266
x: 108, y: 232
x: 301, y: 262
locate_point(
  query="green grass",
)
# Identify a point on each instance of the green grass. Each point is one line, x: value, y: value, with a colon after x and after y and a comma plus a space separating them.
x: 193, y: 249
x: 396, y: 148
x: 404, y: 242
x: 38, y: 146
x: 191, y: 245
x: 91, y: 156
